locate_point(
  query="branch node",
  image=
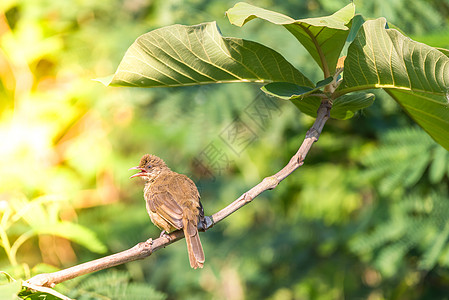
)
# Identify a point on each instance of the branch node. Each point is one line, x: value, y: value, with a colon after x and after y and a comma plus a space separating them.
x: 312, y: 133
x: 270, y: 182
x: 41, y: 280
x: 246, y: 197
x: 146, y: 248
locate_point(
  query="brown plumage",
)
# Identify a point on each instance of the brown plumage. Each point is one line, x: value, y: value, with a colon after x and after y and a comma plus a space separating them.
x: 173, y: 202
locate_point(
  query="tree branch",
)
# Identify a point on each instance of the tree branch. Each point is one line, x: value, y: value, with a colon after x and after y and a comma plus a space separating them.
x: 145, y: 249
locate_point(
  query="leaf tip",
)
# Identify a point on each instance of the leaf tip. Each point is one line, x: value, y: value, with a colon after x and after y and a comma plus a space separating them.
x: 106, y: 81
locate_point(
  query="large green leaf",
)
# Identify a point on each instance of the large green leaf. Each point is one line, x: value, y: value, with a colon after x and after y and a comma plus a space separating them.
x: 323, y: 37
x: 180, y: 55
x: 414, y: 74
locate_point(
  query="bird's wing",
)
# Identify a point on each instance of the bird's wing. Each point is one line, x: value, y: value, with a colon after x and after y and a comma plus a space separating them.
x: 186, y: 191
x: 185, y: 188
x: 173, y: 197
x: 162, y: 201
x: 166, y: 207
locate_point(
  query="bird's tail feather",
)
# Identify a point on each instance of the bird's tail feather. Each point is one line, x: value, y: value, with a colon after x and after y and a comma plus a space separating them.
x: 194, y: 247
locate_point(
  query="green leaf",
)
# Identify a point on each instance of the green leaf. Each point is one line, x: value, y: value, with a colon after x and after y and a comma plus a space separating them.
x: 9, y: 277
x: 290, y: 91
x: 180, y: 55
x: 323, y: 37
x: 389, y: 165
x: 343, y: 107
x: 324, y: 82
x: 439, y: 165
x: 75, y: 233
x: 105, y: 80
x: 433, y: 252
x: 10, y: 290
x: 414, y: 74
x: 357, y: 23
x: 31, y: 295
x: 114, y: 284
x: 286, y: 90
x: 444, y: 51
x: 390, y: 258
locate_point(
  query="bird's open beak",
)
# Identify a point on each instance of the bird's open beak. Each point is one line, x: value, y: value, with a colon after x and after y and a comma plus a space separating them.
x: 142, y: 172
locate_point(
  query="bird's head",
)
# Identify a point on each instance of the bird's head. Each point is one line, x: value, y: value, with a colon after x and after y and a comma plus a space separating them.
x: 150, y: 166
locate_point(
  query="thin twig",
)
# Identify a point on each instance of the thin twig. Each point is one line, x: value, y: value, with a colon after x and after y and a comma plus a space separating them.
x: 145, y: 249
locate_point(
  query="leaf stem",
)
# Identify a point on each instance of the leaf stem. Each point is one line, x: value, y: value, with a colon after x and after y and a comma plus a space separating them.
x: 20, y: 240
x: 7, y: 246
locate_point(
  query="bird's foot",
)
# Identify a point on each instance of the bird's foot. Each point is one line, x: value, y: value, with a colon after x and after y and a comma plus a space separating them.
x: 165, y: 235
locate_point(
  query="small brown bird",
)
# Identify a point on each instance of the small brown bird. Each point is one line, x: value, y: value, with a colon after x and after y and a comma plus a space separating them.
x: 173, y: 202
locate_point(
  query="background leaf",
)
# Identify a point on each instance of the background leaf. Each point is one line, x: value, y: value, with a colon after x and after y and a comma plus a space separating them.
x: 75, y: 233
x: 390, y: 166
x: 10, y: 290
x: 430, y: 111
x: 112, y: 284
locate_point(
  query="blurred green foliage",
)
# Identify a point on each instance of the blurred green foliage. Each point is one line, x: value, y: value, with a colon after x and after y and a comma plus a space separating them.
x: 365, y: 217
